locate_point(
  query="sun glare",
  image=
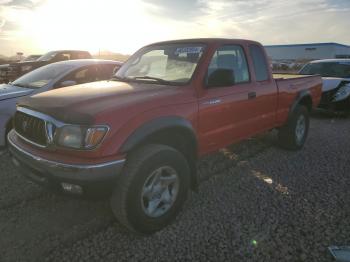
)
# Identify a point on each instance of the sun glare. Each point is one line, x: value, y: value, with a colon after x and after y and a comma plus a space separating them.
x: 94, y: 25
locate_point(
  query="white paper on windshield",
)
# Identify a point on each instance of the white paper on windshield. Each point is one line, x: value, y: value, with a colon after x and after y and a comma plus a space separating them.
x: 188, y: 50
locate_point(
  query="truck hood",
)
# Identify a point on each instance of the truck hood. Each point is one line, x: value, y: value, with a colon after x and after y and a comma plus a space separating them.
x: 11, y: 91
x: 83, y: 104
x: 330, y: 83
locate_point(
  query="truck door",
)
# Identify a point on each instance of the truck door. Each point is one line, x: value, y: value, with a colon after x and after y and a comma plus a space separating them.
x: 225, y: 109
x: 264, y: 95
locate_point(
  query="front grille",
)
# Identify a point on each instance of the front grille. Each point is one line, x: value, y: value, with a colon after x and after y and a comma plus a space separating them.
x: 30, y: 127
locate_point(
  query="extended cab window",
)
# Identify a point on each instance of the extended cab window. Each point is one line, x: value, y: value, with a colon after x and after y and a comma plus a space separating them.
x: 259, y: 61
x: 228, y: 67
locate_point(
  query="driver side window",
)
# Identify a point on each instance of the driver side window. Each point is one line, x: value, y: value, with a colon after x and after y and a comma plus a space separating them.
x: 228, y: 67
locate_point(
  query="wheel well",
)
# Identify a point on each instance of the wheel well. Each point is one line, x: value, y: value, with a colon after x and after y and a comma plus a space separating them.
x: 306, y: 101
x: 180, y: 139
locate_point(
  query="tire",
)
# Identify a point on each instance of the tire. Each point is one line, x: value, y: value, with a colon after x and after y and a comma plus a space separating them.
x: 291, y: 136
x: 131, y: 201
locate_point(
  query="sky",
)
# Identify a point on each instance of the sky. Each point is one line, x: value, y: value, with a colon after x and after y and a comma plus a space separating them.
x: 123, y: 26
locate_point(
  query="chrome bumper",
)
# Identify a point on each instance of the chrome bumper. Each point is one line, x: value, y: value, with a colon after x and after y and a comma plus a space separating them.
x: 41, y: 170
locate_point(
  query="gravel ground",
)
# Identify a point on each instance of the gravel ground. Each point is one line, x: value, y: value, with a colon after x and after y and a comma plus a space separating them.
x: 255, y: 202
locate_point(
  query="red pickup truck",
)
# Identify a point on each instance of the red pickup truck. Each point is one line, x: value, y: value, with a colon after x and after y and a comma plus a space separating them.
x: 137, y: 137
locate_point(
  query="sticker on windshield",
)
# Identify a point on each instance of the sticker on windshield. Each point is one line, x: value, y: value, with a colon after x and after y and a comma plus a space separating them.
x: 188, y: 50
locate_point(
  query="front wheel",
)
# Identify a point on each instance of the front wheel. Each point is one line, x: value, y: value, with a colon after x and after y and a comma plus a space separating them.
x: 152, y: 189
x: 293, y: 134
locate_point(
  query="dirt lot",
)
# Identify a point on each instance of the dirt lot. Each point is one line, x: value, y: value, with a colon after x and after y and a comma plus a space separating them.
x: 256, y: 202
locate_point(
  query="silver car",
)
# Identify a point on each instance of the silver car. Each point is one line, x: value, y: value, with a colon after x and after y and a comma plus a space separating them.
x: 336, y: 82
x: 57, y: 75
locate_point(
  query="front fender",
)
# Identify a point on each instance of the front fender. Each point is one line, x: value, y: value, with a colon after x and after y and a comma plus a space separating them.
x: 156, y: 125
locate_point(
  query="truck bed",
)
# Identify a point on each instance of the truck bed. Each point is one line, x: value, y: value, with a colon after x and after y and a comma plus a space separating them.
x: 291, y: 85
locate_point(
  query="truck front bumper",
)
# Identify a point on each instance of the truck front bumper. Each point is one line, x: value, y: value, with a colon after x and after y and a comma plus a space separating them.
x: 92, y: 179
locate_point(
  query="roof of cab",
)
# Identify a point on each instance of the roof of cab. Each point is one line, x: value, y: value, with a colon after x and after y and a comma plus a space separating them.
x: 206, y: 41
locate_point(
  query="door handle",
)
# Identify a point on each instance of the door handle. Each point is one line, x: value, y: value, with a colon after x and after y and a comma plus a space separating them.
x: 212, y: 102
x: 251, y: 95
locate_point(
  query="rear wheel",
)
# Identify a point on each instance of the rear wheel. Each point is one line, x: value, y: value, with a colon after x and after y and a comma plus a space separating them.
x: 152, y: 189
x: 294, y: 133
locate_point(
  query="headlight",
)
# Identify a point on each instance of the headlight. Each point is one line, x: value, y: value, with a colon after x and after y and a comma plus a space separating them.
x: 26, y: 68
x: 342, y: 93
x: 79, y: 137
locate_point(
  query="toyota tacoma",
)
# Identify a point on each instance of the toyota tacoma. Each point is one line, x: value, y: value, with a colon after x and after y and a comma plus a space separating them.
x: 137, y: 137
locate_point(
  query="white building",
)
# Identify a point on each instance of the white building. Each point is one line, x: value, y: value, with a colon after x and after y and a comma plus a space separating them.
x: 307, y: 51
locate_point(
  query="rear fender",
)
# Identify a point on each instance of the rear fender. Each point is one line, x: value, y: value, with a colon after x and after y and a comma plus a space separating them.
x: 302, y: 97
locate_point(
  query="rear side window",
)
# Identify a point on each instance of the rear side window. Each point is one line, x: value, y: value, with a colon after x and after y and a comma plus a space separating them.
x: 259, y: 61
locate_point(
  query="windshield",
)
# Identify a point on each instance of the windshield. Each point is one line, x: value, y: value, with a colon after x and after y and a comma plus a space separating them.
x: 42, y: 76
x: 327, y: 69
x: 171, y: 64
x: 48, y: 56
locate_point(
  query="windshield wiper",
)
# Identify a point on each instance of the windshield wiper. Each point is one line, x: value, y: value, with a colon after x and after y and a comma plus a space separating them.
x: 118, y: 78
x: 156, y: 79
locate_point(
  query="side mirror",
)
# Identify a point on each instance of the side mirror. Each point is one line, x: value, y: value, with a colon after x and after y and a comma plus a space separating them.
x: 67, y: 83
x: 221, y: 77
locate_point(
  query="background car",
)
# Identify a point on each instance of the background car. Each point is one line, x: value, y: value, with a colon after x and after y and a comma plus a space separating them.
x: 49, y: 77
x: 12, y: 71
x: 336, y: 82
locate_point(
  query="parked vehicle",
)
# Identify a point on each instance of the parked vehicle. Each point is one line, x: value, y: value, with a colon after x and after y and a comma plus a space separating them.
x: 137, y: 138
x: 336, y: 82
x: 12, y: 71
x: 49, y: 77
x: 31, y: 58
